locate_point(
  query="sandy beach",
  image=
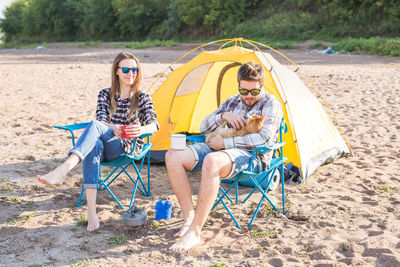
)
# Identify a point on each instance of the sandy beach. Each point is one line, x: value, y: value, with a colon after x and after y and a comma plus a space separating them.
x: 346, y: 214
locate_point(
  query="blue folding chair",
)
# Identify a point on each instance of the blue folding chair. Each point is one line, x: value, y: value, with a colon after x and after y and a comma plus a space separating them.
x: 120, y: 165
x: 261, y: 181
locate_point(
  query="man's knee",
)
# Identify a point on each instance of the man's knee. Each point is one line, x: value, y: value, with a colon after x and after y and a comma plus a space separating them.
x: 218, y: 161
x: 171, y: 157
x: 183, y: 158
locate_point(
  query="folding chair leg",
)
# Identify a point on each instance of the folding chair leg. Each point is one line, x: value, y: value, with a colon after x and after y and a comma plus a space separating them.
x: 225, y: 193
x: 230, y: 213
x: 283, y: 190
x: 133, y: 194
x: 80, y: 204
x: 112, y: 194
x: 148, y: 174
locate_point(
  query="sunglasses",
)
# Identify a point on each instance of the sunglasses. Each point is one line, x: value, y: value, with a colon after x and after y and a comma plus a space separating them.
x: 126, y: 70
x: 256, y: 91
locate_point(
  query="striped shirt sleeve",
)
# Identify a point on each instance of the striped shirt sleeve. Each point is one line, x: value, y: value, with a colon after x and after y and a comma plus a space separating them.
x: 147, y: 113
x: 103, y: 105
x: 214, y: 120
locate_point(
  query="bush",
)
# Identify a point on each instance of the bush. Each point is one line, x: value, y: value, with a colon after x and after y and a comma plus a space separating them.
x: 376, y: 45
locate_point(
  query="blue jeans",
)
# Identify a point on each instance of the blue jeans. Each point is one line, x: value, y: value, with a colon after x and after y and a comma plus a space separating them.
x: 97, y: 144
x: 240, y: 159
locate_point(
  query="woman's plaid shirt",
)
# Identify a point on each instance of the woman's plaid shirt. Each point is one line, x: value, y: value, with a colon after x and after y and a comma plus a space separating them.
x: 146, y: 114
x: 268, y: 105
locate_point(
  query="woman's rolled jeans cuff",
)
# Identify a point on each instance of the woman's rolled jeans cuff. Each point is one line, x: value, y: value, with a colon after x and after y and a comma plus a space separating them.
x: 90, y: 186
x: 76, y: 152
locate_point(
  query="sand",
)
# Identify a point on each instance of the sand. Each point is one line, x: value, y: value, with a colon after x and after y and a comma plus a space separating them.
x: 346, y: 214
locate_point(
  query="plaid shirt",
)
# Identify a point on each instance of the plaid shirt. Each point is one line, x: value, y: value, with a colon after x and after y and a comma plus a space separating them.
x: 268, y: 105
x: 146, y: 113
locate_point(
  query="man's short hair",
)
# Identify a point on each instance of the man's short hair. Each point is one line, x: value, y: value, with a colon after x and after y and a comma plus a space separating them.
x: 251, y: 72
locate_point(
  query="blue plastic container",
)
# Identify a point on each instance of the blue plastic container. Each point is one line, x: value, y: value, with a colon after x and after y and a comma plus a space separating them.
x: 163, y: 209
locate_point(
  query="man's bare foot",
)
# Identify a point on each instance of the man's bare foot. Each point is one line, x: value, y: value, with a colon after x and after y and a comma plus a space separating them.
x: 55, y: 177
x: 93, y: 223
x: 182, y: 231
x: 185, y: 226
x: 189, y: 240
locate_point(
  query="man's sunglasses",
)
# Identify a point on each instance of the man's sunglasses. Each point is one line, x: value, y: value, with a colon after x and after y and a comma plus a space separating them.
x: 252, y: 91
x: 126, y: 70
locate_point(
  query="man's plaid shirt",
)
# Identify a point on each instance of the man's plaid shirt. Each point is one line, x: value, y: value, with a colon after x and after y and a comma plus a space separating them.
x: 268, y: 105
x: 146, y: 114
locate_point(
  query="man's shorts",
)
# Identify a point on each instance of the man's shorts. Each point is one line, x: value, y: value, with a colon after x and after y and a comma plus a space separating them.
x: 240, y: 159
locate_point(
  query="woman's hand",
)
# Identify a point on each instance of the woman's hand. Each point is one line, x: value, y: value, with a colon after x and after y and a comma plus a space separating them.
x: 236, y: 120
x: 134, y: 130
x: 116, y: 129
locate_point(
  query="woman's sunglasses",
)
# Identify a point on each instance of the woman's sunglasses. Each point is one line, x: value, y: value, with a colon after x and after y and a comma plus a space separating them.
x: 126, y: 70
x: 252, y: 91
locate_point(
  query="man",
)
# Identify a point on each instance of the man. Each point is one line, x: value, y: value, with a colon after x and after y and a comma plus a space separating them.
x: 223, y: 157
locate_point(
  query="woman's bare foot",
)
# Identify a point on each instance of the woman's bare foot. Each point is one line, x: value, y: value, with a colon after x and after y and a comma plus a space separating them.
x: 55, y: 177
x: 189, y: 240
x: 185, y: 226
x: 93, y: 223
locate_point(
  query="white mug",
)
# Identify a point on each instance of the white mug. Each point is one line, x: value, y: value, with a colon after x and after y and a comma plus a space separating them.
x: 178, y: 141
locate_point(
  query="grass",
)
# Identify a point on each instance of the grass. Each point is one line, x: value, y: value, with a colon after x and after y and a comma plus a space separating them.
x: 375, y: 45
x: 270, y: 211
x: 82, y: 221
x: 156, y: 225
x: 30, y: 203
x: 218, y: 264
x: 387, y: 189
x: 21, y: 45
x: 345, y: 246
x: 223, y: 255
x: 84, y: 262
x: 118, y: 239
x: 106, y: 172
x: 148, y: 43
x: 208, y: 223
x: 25, y: 217
x: 43, y: 265
x: 261, y: 234
x: 3, y: 180
x: 13, y: 199
x: 90, y: 44
x: 6, y: 188
x: 318, y: 44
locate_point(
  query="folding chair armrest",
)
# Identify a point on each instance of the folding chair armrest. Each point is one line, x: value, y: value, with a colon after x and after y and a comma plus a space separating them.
x: 147, y: 143
x: 143, y: 136
x: 145, y: 150
x: 72, y: 127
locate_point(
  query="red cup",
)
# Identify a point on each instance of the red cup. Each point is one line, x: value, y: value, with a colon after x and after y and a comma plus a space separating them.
x: 124, y: 134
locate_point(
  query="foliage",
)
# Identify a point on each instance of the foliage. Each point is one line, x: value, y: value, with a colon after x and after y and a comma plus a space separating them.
x: 118, y: 239
x: 376, y: 45
x: 138, y: 20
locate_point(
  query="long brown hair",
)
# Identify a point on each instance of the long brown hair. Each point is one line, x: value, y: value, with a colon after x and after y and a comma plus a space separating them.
x: 115, y: 86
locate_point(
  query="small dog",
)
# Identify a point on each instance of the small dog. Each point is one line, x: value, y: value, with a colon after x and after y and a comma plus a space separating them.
x: 254, y: 125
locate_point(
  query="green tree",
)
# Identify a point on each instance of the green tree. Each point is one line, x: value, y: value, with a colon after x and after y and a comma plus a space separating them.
x: 12, y: 24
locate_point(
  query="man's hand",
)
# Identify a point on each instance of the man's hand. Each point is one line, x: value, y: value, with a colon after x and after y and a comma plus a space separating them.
x: 217, y: 142
x: 236, y: 120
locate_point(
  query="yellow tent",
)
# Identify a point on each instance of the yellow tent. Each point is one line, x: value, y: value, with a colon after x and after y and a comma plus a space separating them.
x: 198, y: 87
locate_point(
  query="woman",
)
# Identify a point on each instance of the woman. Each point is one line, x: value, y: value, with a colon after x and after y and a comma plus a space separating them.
x: 103, y: 139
